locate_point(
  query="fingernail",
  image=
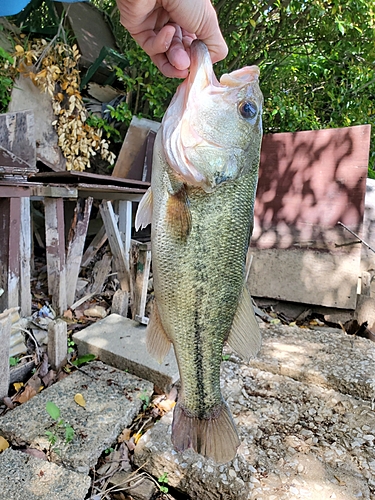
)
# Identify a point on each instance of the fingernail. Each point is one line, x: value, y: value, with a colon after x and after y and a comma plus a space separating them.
x: 168, y: 42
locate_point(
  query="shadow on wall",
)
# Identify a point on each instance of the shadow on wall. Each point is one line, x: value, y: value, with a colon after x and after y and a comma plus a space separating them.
x: 308, y: 182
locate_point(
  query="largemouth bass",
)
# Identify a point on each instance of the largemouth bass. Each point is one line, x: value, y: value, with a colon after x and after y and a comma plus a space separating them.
x: 200, y: 204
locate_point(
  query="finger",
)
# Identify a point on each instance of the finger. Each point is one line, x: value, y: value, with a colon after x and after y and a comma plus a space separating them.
x: 155, y: 43
x: 163, y: 64
x: 176, y: 54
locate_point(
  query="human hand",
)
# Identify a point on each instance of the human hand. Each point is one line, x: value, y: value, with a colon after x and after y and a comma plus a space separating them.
x: 165, y: 29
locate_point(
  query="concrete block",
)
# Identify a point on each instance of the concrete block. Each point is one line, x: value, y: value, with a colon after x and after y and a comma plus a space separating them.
x: 120, y: 342
x: 57, y: 343
x: 113, y: 399
x: 23, y: 476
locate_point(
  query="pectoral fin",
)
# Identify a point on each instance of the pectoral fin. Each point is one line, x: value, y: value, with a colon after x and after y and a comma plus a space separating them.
x: 144, y: 212
x: 157, y: 341
x: 244, y: 336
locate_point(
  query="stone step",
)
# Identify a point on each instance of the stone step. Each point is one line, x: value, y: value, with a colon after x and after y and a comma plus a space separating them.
x: 121, y: 342
x: 25, y: 477
x: 113, y: 398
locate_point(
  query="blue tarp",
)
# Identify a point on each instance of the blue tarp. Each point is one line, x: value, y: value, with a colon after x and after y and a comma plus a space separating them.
x: 12, y: 7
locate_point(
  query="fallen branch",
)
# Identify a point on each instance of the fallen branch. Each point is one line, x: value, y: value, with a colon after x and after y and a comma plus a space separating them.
x: 356, y: 235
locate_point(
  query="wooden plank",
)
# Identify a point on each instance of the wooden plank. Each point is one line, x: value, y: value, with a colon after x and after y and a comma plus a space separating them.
x: 124, y: 209
x: 121, y: 263
x: 134, y: 139
x: 25, y: 95
x: 75, y: 177
x: 98, y: 241
x: 10, y: 216
x: 110, y: 192
x: 17, y: 141
x: 141, y: 261
x: 55, y: 250
x: 5, y: 327
x: 101, y: 271
x: 76, y: 242
x: 308, y: 182
x: 25, y: 257
x: 54, y: 191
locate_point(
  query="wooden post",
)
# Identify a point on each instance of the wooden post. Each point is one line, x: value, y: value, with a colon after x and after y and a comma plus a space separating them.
x: 10, y: 216
x: 57, y: 343
x: 76, y: 242
x: 125, y: 227
x: 55, y: 250
x: 121, y: 263
x: 141, y: 273
x: 25, y: 257
x: 5, y: 325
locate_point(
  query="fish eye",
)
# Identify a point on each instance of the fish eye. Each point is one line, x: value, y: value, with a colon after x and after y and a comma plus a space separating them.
x: 248, y: 109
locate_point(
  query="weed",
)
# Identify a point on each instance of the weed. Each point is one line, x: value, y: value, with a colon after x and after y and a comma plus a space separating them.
x: 54, y: 412
x: 13, y: 361
x: 163, y: 480
x: 71, y: 346
x: 146, y: 400
x: 225, y: 357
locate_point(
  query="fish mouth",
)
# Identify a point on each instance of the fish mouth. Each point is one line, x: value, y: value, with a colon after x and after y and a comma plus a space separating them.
x: 180, y: 135
x: 201, y: 71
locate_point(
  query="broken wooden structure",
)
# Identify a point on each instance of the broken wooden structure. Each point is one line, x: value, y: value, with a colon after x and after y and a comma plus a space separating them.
x: 66, y: 256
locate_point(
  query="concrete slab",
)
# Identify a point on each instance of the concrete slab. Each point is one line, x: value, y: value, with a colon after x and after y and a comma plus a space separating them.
x: 327, y: 357
x: 302, y: 433
x: 113, y: 398
x: 23, y: 476
x: 120, y: 342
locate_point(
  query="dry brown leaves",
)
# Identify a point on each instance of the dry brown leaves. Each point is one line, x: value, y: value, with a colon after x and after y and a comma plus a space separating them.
x: 54, y: 69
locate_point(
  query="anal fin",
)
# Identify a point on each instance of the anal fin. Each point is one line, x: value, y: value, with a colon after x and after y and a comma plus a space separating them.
x: 215, y: 436
x: 244, y: 336
x: 157, y: 341
x: 144, y: 213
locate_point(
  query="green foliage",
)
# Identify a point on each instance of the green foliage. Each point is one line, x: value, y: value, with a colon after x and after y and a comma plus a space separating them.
x: 71, y: 346
x: 54, y: 412
x: 6, y: 83
x: 13, y: 361
x: 110, y: 132
x: 163, y: 480
x: 316, y: 60
x: 86, y: 358
x: 146, y: 400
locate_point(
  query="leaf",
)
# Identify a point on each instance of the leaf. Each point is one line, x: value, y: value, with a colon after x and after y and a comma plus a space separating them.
x: 26, y: 395
x: 69, y: 433
x: 83, y: 359
x: 18, y: 386
x: 80, y: 400
x: 52, y: 410
x: 13, y: 361
x: 253, y: 23
x: 137, y: 437
x: 124, y: 436
x: 19, y: 49
x: 3, y: 444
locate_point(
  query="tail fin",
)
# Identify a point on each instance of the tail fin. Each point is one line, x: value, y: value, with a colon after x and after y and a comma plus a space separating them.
x: 215, y: 437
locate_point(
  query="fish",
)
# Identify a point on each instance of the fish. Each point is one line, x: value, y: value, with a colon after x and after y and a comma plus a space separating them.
x: 200, y: 205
